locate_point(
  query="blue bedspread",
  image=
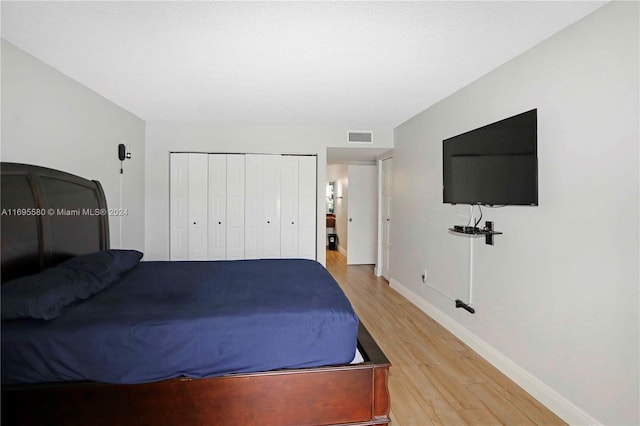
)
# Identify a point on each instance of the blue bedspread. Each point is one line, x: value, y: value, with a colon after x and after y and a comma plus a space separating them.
x: 194, y: 319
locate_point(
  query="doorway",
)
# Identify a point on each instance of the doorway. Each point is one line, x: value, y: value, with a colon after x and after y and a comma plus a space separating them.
x: 338, y: 162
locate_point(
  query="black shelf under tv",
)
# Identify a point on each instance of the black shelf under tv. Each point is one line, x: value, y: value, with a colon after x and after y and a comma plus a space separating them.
x: 470, y: 231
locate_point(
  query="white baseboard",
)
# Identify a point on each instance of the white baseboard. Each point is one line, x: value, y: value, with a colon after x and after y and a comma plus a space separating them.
x: 555, y: 402
x: 342, y: 250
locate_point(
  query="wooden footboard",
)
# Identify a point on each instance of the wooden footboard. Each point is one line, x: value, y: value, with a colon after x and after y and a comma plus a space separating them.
x: 340, y: 395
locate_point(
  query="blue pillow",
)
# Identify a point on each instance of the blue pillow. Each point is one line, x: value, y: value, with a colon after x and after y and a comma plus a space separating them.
x: 106, y: 265
x: 51, y: 292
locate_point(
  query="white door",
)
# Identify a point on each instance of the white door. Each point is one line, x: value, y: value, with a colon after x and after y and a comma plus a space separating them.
x: 253, y: 207
x: 198, y: 167
x: 289, y: 207
x: 262, y: 206
x: 217, y: 239
x: 179, y: 209
x: 307, y: 212
x: 235, y: 206
x: 387, y: 186
x: 298, y: 207
x: 270, y: 180
x: 362, y: 215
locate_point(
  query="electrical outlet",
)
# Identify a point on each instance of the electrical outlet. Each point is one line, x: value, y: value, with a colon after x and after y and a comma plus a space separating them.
x: 424, y: 276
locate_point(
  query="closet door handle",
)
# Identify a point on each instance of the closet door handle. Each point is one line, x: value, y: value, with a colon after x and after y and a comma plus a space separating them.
x: 268, y: 221
x: 219, y: 223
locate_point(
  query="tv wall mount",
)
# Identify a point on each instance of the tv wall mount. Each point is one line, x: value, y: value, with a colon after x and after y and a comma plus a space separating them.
x: 474, y: 231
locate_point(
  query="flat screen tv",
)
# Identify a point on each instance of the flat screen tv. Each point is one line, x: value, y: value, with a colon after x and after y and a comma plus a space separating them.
x: 494, y: 165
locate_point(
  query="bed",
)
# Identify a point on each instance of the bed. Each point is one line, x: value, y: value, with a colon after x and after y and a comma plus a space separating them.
x: 51, y: 219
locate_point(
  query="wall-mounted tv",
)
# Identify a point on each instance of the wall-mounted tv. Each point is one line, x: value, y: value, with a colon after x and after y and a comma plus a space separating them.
x: 494, y: 165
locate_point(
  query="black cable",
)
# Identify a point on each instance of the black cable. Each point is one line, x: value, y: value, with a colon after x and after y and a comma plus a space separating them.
x: 480, y: 218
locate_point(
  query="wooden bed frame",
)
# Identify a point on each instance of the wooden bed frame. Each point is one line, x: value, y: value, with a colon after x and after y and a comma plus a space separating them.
x: 49, y: 216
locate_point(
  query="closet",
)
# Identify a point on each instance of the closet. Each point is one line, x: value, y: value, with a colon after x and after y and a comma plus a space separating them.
x: 242, y: 206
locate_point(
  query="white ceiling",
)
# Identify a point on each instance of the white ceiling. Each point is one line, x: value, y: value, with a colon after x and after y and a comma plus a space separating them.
x: 360, y: 65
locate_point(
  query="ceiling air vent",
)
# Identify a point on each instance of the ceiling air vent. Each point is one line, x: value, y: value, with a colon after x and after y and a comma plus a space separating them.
x: 360, y: 137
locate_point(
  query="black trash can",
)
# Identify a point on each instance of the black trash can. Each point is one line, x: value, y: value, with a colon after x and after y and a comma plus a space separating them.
x: 333, y: 241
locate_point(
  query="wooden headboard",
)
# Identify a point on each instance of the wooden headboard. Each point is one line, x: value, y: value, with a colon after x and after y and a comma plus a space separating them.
x: 48, y: 216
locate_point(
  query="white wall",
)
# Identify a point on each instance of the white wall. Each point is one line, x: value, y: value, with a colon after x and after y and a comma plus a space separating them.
x: 50, y: 120
x: 163, y: 138
x: 557, y: 294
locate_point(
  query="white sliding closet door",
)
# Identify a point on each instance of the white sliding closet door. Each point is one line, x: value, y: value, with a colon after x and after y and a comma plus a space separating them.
x: 298, y: 207
x: 188, y: 221
x: 262, y: 206
x: 217, y: 238
x: 179, y: 209
x: 235, y: 206
x: 307, y: 213
x: 198, y: 177
x: 289, y: 207
x: 252, y: 207
x: 271, y: 206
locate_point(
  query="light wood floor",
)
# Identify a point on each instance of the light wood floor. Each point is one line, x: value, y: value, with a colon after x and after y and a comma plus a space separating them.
x: 435, y: 378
